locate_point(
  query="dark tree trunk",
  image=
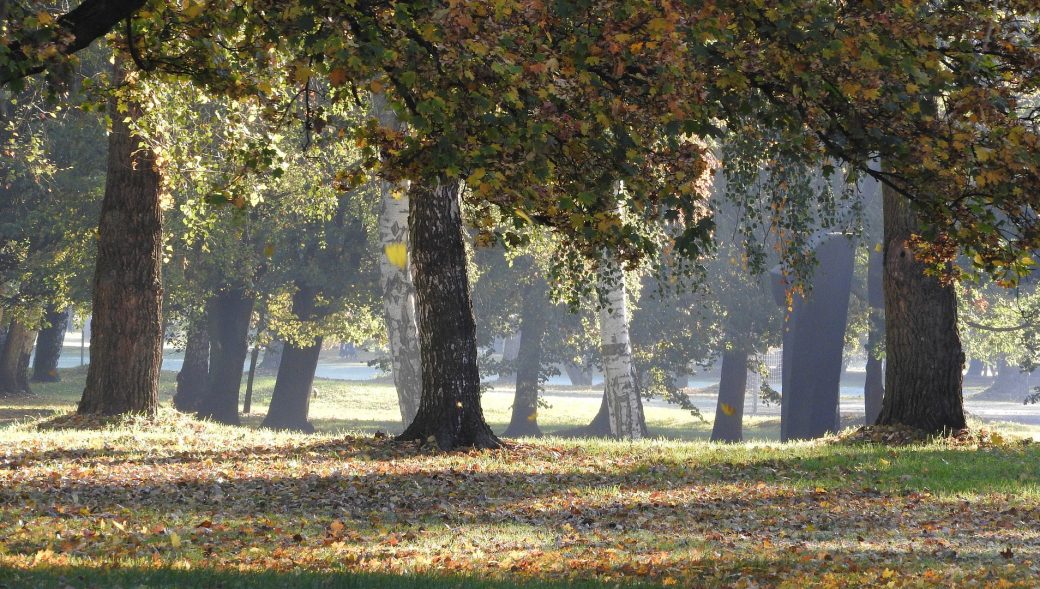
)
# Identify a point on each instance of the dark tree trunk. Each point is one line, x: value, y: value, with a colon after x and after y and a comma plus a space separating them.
x: 228, y: 314
x: 272, y: 357
x: 449, y: 411
x: 49, y: 345
x: 290, y: 400
x: 923, y: 355
x: 247, y: 405
x: 1010, y: 384
x: 729, y: 411
x: 874, y: 383
x: 524, y: 421
x: 14, y: 361
x: 813, y: 344
x: 191, y: 380
x: 599, y: 427
x: 126, y: 330
x: 580, y: 377
x: 976, y: 368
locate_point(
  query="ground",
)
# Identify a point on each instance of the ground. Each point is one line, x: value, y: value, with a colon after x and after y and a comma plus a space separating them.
x: 178, y: 502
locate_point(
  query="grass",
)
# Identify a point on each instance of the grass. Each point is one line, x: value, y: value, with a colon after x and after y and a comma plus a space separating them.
x: 177, y: 502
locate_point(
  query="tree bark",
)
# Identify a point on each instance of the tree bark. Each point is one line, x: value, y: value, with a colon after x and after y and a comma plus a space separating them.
x: 729, y: 411
x: 272, y: 357
x: 533, y: 316
x: 247, y: 404
x: 874, y: 383
x: 813, y: 346
x: 290, y: 400
x: 228, y: 314
x: 78, y: 28
x: 14, y: 361
x: 191, y: 380
x: 923, y: 351
x: 126, y: 331
x: 623, y: 403
x: 580, y: 377
x: 49, y: 345
x: 449, y: 410
x: 395, y: 281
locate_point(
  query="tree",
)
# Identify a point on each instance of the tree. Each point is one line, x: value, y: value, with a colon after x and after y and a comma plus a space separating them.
x: 126, y: 331
x: 399, y: 300
x: 449, y: 412
x: 14, y: 360
x: 534, y: 315
x: 924, y: 359
x: 49, y: 344
x: 194, y: 372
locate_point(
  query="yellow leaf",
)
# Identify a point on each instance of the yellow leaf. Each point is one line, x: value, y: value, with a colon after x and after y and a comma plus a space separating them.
x: 175, y: 540
x: 397, y: 253
x: 44, y: 18
x: 475, y: 177
x: 533, y: 416
x: 524, y: 216
x: 728, y: 409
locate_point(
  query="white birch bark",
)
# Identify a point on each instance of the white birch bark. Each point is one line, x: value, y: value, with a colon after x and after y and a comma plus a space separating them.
x: 623, y: 404
x: 395, y: 282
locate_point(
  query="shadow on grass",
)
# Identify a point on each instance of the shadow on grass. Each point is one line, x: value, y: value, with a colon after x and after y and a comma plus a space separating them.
x: 81, y: 577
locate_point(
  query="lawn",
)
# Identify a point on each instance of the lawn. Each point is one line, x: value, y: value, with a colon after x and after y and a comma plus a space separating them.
x: 183, y: 503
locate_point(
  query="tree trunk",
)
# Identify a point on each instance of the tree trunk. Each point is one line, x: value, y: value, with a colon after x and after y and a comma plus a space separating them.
x: 729, y: 411
x: 923, y: 355
x: 874, y: 383
x: 580, y: 377
x: 976, y: 368
x: 813, y: 346
x: 395, y: 281
x: 272, y: 357
x: 290, y: 400
x: 247, y: 404
x: 228, y: 314
x: 191, y: 380
x: 126, y: 330
x: 1010, y: 384
x: 623, y: 403
x: 524, y: 421
x: 449, y: 410
x: 14, y: 361
x: 49, y: 345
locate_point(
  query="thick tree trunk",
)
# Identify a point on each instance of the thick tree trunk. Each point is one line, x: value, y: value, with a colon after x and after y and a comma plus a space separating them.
x: 395, y: 280
x: 126, y: 331
x: 524, y: 421
x: 874, y: 383
x: 228, y: 314
x: 623, y: 402
x: 813, y: 345
x: 449, y: 411
x: 290, y: 400
x: 580, y: 377
x: 191, y: 380
x: 14, y: 361
x: 1010, y: 384
x: 729, y: 410
x: 923, y: 355
x: 272, y: 357
x: 976, y: 368
x: 49, y: 345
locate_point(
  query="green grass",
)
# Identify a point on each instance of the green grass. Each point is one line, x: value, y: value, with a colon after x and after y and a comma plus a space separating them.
x: 175, y: 502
